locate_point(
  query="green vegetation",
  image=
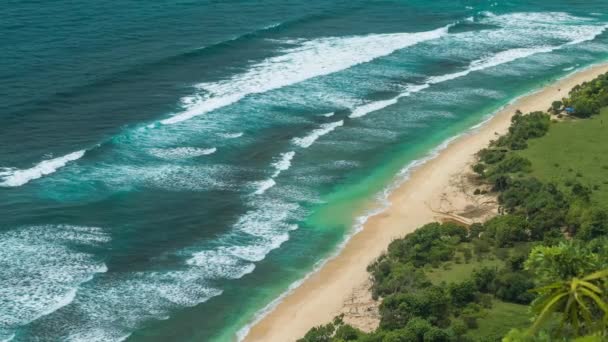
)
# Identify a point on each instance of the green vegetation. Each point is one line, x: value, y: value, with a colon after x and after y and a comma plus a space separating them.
x: 573, y: 152
x: 499, y: 319
x: 589, y: 98
x: 537, y: 272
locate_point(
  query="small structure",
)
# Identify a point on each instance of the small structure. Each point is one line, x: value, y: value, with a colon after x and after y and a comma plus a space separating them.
x: 569, y: 110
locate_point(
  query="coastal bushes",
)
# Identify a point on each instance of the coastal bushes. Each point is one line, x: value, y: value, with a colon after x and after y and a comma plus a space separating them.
x: 588, y: 98
x: 523, y: 127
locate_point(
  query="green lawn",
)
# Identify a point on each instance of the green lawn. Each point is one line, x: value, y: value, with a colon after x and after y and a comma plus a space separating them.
x: 498, y: 320
x: 456, y: 273
x: 573, y: 150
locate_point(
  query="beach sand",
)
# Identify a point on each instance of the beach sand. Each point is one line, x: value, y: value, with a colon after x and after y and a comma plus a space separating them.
x: 438, y: 190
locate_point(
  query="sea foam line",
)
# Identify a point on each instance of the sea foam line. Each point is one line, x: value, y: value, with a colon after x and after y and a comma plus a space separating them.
x: 284, y: 163
x: 181, y: 152
x: 16, y: 177
x: 310, y: 59
x: 497, y: 59
x: 308, y: 140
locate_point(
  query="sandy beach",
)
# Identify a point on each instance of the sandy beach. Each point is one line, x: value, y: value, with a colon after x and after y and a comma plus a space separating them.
x: 437, y: 190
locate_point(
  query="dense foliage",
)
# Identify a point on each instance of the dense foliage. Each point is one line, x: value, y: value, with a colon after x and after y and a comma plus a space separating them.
x: 547, y: 249
x: 588, y: 98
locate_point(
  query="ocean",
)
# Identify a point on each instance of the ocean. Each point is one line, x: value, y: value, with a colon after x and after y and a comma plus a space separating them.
x: 169, y: 169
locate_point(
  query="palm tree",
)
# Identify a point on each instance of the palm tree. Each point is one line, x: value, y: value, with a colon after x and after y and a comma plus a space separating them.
x: 581, y: 303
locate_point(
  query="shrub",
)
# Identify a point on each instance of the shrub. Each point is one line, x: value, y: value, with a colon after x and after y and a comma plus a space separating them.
x: 398, y: 309
x: 594, y: 224
x: 481, y: 246
x: 491, y: 156
x: 459, y: 327
x: 556, y: 106
x: 432, y: 243
x: 511, y: 164
x: 507, y: 229
x: 466, y: 253
x: 524, y: 127
x: 436, y: 335
x: 514, y: 287
x: 470, y: 314
x: 347, y: 333
x: 418, y: 327
x: 484, y: 279
x: 479, y: 168
x: 462, y: 293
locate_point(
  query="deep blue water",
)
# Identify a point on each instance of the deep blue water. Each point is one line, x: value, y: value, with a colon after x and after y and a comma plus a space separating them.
x: 168, y: 169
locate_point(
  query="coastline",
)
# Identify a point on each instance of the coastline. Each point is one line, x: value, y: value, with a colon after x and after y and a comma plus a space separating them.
x: 428, y: 195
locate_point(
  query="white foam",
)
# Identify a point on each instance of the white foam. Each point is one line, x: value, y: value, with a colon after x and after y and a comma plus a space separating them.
x: 378, y: 105
x: 181, y: 152
x: 255, y: 253
x: 6, y: 336
x: 329, y: 115
x: 491, y: 61
x: 119, y: 303
x: 372, y: 107
x: 254, y: 235
x: 16, y: 177
x: 310, y: 59
x: 217, y: 264
x: 264, y: 185
x: 231, y: 135
x: 40, y: 272
x: 537, y: 28
x: 283, y: 164
x: 308, y: 140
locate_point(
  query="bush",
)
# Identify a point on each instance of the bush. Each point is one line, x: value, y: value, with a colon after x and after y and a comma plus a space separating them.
x: 418, y: 327
x: 507, y: 229
x: 347, y: 333
x: 481, y: 246
x: 524, y: 127
x: 491, y: 156
x: 556, y: 106
x: 514, y: 287
x: 484, y: 279
x: 397, y: 310
x: 391, y: 276
x: 511, y: 164
x: 588, y: 98
x: 322, y: 333
x: 459, y: 327
x: 594, y: 224
x: 466, y: 253
x: 436, y: 335
x: 462, y: 293
x: 431, y: 243
x: 470, y: 314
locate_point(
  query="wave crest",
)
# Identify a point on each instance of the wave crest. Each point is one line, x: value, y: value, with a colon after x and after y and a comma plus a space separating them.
x: 16, y: 177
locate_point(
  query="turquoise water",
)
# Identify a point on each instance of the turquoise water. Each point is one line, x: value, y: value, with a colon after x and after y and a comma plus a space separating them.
x: 168, y: 170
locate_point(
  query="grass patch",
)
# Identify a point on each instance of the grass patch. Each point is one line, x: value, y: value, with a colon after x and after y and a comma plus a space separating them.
x: 499, y: 319
x: 573, y: 151
x: 452, y: 272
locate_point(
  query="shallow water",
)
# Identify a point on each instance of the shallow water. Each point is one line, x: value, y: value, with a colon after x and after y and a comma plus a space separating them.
x: 167, y: 170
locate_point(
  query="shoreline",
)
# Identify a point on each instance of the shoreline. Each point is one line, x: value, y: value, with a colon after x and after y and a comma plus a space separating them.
x: 420, y: 197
